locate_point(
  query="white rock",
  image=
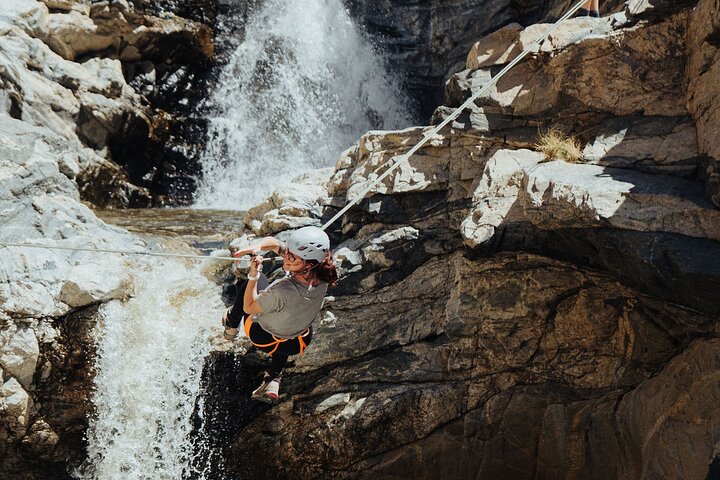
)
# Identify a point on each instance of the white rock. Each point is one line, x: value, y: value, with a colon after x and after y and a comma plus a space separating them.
x: 96, y: 282
x: 39, y: 204
x: 348, y: 260
x: 497, y: 193
x: 290, y: 206
x: 560, y: 195
x: 19, y: 352
x: 15, y: 407
x: 26, y: 14
x: 333, y: 401
x: 50, y: 91
x: 350, y: 409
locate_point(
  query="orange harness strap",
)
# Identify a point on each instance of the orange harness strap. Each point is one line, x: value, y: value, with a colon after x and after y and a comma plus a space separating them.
x: 277, y: 341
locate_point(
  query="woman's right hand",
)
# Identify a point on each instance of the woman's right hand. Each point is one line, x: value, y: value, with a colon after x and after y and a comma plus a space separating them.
x: 251, y: 250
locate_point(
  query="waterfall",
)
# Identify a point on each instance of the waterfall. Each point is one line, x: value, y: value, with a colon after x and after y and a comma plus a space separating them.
x: 150, y: 355
x: 302, y: 87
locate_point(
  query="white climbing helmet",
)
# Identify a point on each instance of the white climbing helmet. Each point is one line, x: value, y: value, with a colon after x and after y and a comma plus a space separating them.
x: 309, y: 243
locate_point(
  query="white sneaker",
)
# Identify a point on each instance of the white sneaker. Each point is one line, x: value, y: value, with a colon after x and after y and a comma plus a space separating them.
x: 272, y: 390
x: 259, y: 392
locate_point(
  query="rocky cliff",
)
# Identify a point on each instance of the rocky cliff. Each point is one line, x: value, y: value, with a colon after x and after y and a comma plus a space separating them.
x: 500, y: 313
x: 503, y: 314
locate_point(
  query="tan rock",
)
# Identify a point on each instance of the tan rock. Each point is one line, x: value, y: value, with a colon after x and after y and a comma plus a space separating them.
x: 669, y: 415
x: 598, y: 73
x: 654, y: 145
x: 501, y: 182
x: 497, y: 48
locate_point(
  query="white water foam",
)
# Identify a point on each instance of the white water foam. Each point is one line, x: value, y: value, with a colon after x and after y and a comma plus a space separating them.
x: 302, y: 87
x: 151, y: 351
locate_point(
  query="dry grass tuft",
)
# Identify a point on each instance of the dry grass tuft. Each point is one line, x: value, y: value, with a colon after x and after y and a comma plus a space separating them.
x: 556, y: 145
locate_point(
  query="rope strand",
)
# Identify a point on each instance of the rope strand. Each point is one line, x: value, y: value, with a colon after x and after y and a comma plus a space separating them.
x: 124, y: 252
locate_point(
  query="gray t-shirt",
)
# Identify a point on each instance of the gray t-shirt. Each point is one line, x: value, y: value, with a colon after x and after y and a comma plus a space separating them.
x: 289, y: 307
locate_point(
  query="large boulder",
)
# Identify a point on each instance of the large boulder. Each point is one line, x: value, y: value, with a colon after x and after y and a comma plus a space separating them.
x: 477, y: 343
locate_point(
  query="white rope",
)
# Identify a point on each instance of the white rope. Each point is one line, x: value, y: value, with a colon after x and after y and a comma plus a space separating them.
x: 399, y: 160
x: 125, y: 252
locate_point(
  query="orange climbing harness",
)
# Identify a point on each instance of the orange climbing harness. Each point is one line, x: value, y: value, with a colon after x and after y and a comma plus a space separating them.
x: 277, y: 341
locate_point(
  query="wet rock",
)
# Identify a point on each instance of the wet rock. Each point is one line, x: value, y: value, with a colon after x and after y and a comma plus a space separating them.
x: 15, y: 407
x: 290, y: 206
x: 41, y: 440
x: 19, y: 352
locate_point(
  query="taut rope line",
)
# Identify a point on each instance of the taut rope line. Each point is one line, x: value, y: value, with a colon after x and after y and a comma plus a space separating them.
x: 128, y: 252
x: 399, y: 160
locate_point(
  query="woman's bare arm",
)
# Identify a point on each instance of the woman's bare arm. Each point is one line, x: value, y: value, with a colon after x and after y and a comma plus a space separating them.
x: 265, y: 243
x: 250, y: 304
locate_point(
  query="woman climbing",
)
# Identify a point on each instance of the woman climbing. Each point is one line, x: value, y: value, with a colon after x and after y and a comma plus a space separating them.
x: 278, y: 317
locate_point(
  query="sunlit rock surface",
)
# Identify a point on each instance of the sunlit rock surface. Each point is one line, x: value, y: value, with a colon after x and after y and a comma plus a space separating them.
x: 69, y: 66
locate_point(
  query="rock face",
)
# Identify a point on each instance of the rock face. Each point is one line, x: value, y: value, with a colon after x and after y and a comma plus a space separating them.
x: 502, y: 314
x: 48, y: 299
x: 703, y: 75
x: 428, y: 41
x: 66, y: 67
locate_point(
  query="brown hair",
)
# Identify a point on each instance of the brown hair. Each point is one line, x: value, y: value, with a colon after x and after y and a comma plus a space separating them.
x: 324, y: 271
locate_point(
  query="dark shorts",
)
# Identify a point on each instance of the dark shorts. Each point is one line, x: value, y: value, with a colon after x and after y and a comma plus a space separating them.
x: 267, y: 342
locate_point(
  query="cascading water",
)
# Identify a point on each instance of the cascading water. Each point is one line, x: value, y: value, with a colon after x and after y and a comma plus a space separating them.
x: 303, y: 86
x: 150, y: 355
